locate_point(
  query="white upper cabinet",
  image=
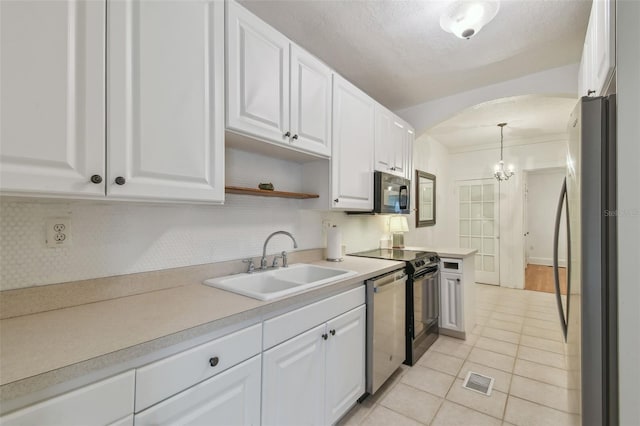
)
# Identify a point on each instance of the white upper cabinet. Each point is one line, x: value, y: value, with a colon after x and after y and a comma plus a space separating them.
x: 599, y: 53
x: 257, y: 77
x: 165, y: 103
x: 164, y: 118
x: 52, y: 81
x: 390, y: 143
x: 604, y: 43
x: 310, y: 103
x: 276, y: 92
x: 353, y: 147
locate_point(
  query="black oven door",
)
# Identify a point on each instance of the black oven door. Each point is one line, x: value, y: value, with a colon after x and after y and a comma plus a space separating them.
x: 390, y: 194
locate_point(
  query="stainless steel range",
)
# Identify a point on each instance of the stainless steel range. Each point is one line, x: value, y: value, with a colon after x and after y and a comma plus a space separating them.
x: 422, y: 297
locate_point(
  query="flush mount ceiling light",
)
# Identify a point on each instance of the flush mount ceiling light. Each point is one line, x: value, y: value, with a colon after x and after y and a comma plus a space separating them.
x: 498, y: 170
x: 465, y: 18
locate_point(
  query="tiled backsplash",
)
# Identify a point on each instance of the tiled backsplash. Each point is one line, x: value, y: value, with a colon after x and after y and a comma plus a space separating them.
x: 122, y: 238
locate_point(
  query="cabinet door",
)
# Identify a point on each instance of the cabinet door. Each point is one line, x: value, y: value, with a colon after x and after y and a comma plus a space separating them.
x: 353, y: 147
x: 398, y: 147
x: 451, y: 302
x: 230, y: 398
x: 408, y: 159
x: 310, y: 103
x: 257, y: 77
x: 293, y: 381
x: 383, y: 149
x: 105, y: 402
x: 52, y: 83
x: 165, y: 103
x: 604, y: 46
x: 345, y: 381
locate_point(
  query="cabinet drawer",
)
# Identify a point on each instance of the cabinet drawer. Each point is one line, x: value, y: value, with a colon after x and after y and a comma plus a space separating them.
x: 230, y: 398
x: 101, y: 403
x: 279, y: 329
x: 169, y: 376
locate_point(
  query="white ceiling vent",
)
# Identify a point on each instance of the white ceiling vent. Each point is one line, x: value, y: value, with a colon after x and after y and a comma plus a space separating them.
x: 478, y: 383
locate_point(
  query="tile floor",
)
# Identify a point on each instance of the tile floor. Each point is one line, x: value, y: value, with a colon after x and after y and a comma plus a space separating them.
x: 517, y: 341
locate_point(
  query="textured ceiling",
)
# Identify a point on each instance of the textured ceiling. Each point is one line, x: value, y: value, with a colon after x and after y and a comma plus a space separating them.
x: 396, y: 51
x: 529, y: 118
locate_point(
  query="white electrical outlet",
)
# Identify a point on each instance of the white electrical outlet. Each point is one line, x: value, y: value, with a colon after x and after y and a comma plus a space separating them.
x: 58, y: 231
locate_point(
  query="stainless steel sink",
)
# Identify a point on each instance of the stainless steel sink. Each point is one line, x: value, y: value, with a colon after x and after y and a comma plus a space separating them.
x: 279, y: 282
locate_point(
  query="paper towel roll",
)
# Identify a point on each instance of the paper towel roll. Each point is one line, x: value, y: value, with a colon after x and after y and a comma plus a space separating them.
x: 334, y: 244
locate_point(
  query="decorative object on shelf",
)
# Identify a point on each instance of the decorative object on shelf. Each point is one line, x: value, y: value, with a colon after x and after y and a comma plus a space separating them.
x: 465, y: 18
x: 498, y: 171
x: 334, y: 244
x: 425, y: 199
x: 266, y: 186
x: 268, y: 193
x: 398, y: 225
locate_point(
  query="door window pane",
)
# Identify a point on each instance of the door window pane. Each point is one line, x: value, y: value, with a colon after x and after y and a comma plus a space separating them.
x: 487, y: 192
x: 488, y: 246
x: 487, y: 210
x: 476, y: 193
x: 488, y: 263
x: 464, y: 227
x: 476, y: 243
x: 464, y: 210
x: 476, y: 228
x: 464, y: 242
x: 464, y: 193
x: 487, y: 228
x: 476, y: 210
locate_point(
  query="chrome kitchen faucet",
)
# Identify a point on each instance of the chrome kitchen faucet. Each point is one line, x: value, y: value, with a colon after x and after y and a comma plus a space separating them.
x: 263, y: 261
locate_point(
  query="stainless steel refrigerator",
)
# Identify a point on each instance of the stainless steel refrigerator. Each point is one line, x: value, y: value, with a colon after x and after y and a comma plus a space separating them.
x: 588, y: 315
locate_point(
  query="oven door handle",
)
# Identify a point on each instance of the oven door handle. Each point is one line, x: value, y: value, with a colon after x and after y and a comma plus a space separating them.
x: 427, y: 273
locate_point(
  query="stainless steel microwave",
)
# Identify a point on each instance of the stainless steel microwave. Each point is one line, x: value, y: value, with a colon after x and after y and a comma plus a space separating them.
x: 390, y: 194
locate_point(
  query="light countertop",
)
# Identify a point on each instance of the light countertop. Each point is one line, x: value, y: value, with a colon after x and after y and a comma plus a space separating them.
x: 455, y: 252
x: 43, y: 349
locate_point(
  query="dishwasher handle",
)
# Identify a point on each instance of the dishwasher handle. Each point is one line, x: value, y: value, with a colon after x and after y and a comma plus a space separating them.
x: 386, y: 282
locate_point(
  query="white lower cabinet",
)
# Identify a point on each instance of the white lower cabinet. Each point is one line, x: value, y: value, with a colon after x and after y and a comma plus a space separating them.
x: 314, y: 378
x: 345, y: 363
x: 451, y: 301
x: 457, y: 296
x: 108, y: 402
x: 230, y: 398
x: 293, y: 380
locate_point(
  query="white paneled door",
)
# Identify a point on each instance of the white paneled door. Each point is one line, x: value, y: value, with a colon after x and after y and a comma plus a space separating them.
x: 479, y: 226
x: 165, y: 136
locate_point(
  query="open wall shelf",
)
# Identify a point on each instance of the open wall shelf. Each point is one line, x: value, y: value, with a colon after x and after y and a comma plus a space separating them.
x: 265, y: 193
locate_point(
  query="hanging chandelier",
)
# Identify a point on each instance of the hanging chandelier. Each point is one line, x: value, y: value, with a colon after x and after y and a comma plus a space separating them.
x: 499, y: 171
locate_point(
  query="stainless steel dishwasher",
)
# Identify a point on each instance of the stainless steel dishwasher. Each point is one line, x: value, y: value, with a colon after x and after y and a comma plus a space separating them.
x: 386, y: 305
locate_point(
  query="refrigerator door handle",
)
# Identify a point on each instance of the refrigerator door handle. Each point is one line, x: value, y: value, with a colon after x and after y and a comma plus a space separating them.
x: 556, y: 274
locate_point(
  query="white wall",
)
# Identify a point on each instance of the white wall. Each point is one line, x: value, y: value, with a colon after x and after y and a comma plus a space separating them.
x: 431, y: 156
x: 628, y: 86
x: 122, y: 238
x: 542, y: 192
x: 479, y: 165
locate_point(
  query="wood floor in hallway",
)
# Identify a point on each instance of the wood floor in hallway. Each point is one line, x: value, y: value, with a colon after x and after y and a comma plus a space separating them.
x: 540, y: 278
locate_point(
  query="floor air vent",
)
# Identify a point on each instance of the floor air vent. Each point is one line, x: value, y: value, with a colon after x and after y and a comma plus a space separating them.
x: 479, y: 383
